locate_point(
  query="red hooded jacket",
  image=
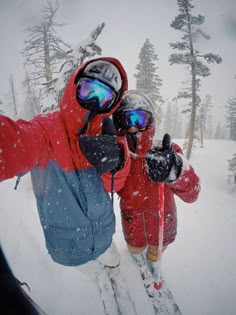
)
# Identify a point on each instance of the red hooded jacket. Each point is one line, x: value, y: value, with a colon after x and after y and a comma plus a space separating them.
x: 139, y: 198
x: 75, y: 211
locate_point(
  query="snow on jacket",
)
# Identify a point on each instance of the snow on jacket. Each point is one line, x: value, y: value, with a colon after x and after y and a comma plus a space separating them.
x: 75, y: 210
x: 139, y: 197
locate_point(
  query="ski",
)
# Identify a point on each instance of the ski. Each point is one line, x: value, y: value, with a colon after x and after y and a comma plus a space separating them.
x: 122, y: 295
x: 114, y: 293
x: 163, y: 300
x: 106, y: 292
x: 160, y: 295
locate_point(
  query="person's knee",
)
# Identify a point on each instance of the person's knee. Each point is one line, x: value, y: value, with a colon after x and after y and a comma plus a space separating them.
x: 135, y: 250
x: 152, y: 253
x: 111, y: 257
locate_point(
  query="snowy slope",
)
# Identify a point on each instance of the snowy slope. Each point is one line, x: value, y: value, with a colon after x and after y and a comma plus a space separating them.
x: 199, y: 266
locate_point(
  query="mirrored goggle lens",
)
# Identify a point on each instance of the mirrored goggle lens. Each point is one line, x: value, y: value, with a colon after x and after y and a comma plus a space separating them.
x: 92, y: 89
x: 135, y: 118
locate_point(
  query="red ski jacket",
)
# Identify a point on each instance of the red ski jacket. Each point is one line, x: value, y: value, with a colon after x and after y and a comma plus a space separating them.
x: 139, y: 198
x: 75, y: 211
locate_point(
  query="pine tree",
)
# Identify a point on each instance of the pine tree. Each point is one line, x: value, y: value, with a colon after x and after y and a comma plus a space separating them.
x: 189, y: 55
x: 158, y: 121
x: 1, y: 108
x: 177, y: 120
x: 168, y: 120
x: 147, y: 81
x: 220, y: 132
x: 172, y: 120
x: 204, y: 117
x: 231, y: 118
x: 232, y: 169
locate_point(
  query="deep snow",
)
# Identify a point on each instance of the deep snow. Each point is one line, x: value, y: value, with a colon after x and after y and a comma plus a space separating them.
x: 199, y: 266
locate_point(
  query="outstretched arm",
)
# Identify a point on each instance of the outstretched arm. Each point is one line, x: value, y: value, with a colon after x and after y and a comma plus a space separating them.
x: 21, y: 146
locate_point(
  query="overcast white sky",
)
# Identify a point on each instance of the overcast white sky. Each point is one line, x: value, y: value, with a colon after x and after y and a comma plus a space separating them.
x: 128, y: 24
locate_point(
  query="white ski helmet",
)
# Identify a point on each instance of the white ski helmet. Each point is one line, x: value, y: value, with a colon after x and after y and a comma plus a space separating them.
x: 105, y: 72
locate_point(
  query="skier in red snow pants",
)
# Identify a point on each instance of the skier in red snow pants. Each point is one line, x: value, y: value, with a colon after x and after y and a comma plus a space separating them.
x: 150, y: 164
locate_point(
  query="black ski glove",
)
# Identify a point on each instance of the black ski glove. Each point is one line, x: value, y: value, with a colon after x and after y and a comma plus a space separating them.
x: 163, y: 163
x: 103, y: 151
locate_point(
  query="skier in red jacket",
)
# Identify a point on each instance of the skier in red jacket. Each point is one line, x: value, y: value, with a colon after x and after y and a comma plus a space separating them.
x: 66, y: 152
x: 139, y: 196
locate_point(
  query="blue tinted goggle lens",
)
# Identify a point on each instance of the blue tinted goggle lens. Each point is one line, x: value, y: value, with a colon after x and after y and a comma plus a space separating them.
x: 93, y: 89
x: 135, y: 118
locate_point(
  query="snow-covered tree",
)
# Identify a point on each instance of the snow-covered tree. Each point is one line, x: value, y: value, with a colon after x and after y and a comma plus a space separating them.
x: 189, y: 55
x: 232, y: 170
x: 158, y: 120
x: 168, y: 119
x: 91, y: 48
x: 220, y: 132
x: 44, y: 49
x: 147, y: 80
x: 31, y: 104
x: 172, y: 120
x: 12, y: 99
x: 231, y: 118
x: 48, y: 56
x: 85, y: 49
x: 204, y: 110
x: 177, y: 131
x: 186, y: 94
x: 1, y: 108
x: 209, y: 127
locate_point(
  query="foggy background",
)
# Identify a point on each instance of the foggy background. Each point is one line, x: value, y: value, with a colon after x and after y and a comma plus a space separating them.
x: 127, y: 24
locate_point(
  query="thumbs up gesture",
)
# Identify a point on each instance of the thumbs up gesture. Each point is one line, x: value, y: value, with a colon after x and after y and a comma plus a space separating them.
x: 163, y: 163
x: 103, y: 151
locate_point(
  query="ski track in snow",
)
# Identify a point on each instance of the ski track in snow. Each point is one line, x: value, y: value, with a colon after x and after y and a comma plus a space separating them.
x: 199, y: 266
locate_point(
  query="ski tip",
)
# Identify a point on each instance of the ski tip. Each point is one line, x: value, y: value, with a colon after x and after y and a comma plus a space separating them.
x: 157, y: 285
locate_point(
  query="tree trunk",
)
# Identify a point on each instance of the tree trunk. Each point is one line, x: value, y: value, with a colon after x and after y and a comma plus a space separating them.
x: 48, y: 69
x: 194, y: 92
x: 193, y: 113
x: 13, y: 95
x: 201, y: 131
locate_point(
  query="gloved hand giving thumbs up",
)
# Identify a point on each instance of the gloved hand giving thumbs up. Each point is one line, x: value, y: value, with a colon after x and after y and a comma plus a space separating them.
x: 103, y: 151
x: 163, y: 163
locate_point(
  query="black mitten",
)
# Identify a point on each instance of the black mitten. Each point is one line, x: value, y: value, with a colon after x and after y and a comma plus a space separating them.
x: 103, y: 151
x: 163, y: 163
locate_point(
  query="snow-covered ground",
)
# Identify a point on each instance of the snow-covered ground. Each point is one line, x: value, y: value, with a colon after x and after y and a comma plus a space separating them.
x: 199, y: 266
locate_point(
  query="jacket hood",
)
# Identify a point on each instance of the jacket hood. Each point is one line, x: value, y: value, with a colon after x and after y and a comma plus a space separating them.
x: 75, y: 116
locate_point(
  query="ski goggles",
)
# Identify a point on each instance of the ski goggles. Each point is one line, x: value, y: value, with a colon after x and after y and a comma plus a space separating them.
x: 138, y: 118
x: 91, y: 92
